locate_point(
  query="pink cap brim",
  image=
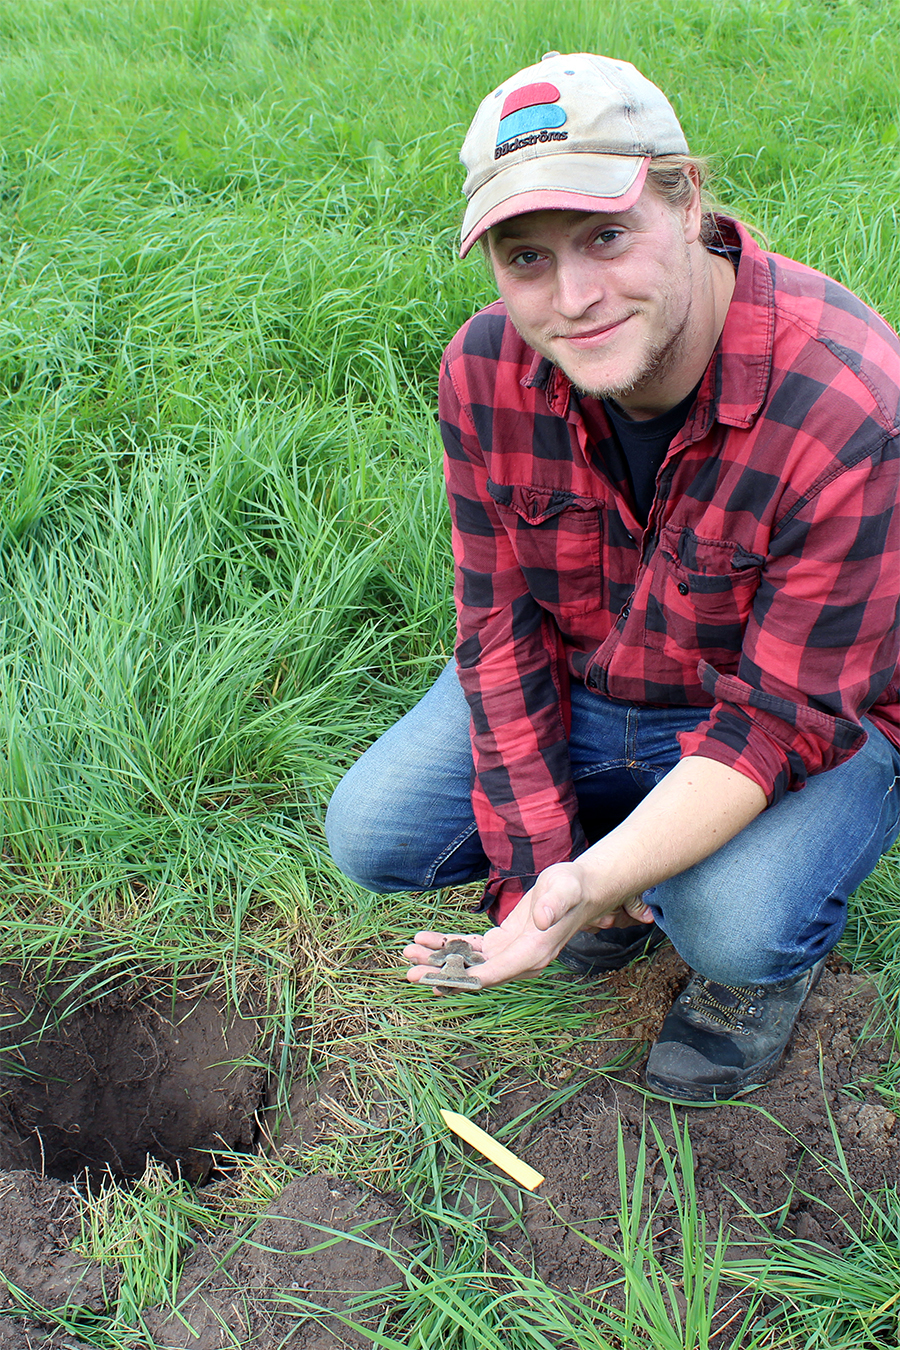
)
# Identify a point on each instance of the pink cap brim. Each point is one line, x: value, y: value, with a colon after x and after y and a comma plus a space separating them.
x: 553, y: 199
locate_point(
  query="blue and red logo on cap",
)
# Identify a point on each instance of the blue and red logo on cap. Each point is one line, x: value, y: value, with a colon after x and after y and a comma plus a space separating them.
x: 529, y: 115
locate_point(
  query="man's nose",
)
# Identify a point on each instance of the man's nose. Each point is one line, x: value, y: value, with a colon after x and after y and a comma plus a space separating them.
x: 579, y: 285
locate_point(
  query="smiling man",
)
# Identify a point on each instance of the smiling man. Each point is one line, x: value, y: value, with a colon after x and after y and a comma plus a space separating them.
x: 672, y: 466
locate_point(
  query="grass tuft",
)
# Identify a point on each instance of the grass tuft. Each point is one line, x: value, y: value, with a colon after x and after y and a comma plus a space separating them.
x: 227, y: 273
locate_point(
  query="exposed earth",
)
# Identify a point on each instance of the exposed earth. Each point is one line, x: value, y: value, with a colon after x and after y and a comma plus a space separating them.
x: 167, y: 1076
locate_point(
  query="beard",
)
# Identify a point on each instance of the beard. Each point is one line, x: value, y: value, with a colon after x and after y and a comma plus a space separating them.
x: 660, y: 358
x: 657, y: 363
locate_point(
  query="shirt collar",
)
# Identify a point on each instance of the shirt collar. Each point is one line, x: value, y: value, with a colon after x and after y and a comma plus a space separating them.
x: 737, y: 378
x: 557, y: 387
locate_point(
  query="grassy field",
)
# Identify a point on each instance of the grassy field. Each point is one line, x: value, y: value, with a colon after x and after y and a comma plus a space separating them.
x: 228, y: 272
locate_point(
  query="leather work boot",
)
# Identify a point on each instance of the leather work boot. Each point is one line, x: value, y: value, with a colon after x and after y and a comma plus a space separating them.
x: 721, y: 1040
x: 610, y: 949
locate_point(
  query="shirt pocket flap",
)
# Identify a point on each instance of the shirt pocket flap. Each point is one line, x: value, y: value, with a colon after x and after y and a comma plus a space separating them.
x: 699, y: 597
x: 708, y: 565
x: 556, y: 537
x: 536, y: 504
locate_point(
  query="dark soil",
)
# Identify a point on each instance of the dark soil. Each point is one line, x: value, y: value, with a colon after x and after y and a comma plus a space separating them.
x: 102, y: 1086
x: 773, y: 1154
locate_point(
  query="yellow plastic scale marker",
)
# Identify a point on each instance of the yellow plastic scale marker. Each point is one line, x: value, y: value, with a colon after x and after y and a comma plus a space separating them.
x: 519, y: 1171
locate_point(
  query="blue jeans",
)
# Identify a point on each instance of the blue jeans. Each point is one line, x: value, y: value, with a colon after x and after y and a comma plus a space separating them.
x: 762, y: 909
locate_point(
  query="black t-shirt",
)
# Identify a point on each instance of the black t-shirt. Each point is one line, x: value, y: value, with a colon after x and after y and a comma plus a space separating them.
x: 637, y: 449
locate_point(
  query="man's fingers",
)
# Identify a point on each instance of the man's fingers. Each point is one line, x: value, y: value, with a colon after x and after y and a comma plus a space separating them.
x: 506, y: 965
x: 428, y: 939
x: 637, y: 910
x: 546, y: 914
x: 554, y: 898
x: 434, y: 941
x: 550, y: 911
x: 423, y: 946
x: 424, y: 943
x: 415, y: 955
x: 414, y: 975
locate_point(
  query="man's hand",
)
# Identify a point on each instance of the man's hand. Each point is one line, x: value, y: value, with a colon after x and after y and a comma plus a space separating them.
x: 690, y: 814
x: 568, y: 890
x: 554, y: 910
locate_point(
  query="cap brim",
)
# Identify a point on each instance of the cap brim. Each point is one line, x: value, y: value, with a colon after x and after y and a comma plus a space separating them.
x: 583, y: 182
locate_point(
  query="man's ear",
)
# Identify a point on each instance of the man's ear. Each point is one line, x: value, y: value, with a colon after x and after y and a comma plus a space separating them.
x: 693, y: 211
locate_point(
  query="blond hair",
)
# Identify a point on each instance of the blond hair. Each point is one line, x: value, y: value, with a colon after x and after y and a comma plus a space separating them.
x: 669, y: 178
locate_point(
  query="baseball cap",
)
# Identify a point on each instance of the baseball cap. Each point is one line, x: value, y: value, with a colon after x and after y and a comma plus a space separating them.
x: 570, y: 133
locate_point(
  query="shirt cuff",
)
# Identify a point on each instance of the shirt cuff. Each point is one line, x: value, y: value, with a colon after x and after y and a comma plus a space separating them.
x: 502, y: 894
x: 772, y: 741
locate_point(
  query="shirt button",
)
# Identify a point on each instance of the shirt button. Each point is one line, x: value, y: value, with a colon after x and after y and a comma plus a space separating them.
x: 683, y: 589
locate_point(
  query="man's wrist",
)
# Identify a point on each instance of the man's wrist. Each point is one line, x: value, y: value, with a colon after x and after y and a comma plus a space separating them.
x: 601, y: 895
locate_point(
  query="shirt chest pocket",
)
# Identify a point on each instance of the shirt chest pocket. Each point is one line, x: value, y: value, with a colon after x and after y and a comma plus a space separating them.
x: 556, y: 537
x: 700, y: 595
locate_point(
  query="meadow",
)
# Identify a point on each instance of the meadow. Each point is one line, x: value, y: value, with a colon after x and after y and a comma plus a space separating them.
x: 228, y: 273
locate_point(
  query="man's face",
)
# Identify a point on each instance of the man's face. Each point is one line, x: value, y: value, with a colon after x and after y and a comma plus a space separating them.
x: 608, y: 298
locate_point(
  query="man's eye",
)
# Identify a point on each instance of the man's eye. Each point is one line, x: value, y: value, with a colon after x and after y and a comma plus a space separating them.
x: 526, y: 258
x: 607, y: 236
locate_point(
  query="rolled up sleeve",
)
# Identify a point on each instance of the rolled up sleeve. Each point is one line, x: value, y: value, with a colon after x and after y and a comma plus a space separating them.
x: 822, y: 643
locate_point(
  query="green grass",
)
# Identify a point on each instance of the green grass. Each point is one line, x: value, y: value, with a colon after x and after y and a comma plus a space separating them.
x: 144, y: 1232
x: 227, y: 272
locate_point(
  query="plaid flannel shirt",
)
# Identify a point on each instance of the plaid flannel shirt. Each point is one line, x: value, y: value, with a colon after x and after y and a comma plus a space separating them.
x: 764, y: 585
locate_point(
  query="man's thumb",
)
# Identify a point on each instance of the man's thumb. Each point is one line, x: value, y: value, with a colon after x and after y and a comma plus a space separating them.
x: 635, y: 907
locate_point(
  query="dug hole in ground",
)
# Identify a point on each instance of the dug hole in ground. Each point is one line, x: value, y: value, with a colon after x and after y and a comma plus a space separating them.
x: 180, y: 1078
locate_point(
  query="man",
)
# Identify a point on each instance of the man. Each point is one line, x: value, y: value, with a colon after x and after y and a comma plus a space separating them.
x: 672, y: 466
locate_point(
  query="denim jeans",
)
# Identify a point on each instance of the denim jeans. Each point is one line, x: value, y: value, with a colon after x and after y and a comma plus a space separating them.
x: 762, y: 909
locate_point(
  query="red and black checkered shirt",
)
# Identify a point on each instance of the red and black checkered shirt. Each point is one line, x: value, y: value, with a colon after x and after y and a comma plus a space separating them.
x: 764, y: 585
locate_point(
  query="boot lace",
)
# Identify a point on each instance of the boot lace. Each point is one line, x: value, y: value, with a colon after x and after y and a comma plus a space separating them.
x: 705, y: 999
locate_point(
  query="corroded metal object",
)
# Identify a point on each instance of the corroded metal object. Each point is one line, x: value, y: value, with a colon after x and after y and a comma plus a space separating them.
x: 452, y: 962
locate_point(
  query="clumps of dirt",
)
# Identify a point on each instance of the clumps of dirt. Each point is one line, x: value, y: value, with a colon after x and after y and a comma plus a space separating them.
x: 322, y: 1244
x: 326, y: 1250
x: 102, y: 1086
x: 29, y: 1335
x: 772, y: 1154
x: 297, y: 1256
x: 38, y: 1225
